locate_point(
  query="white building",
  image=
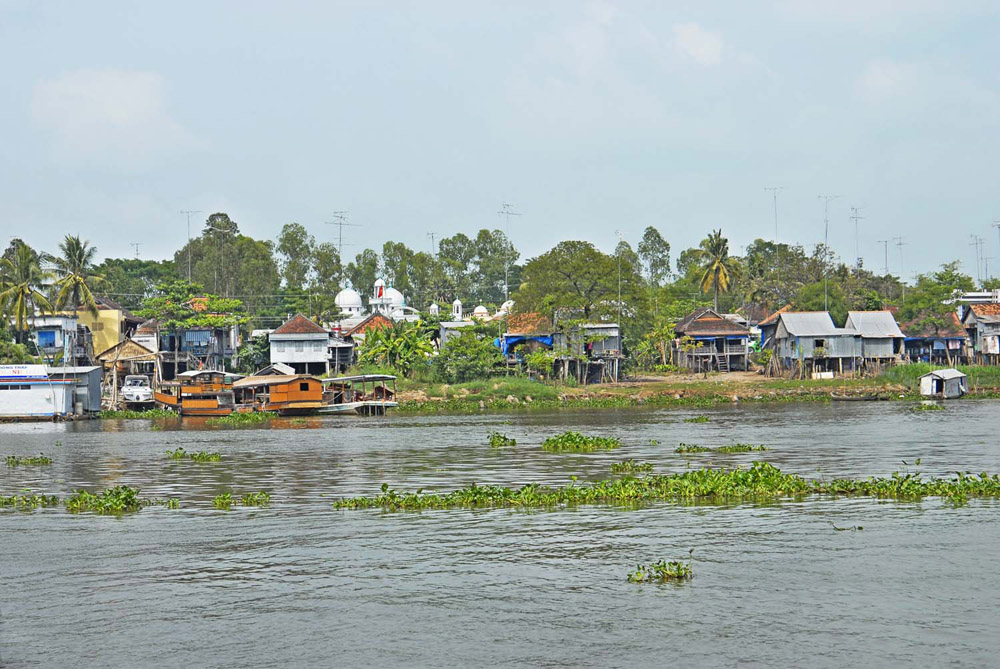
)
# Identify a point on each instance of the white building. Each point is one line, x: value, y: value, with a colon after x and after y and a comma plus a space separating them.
x: 32, y: 391
x: 302, y: 345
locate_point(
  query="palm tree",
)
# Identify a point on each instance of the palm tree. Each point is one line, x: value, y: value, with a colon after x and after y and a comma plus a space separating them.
x: 21, y: 281
x: 76, y: 278
x: 718, y: 269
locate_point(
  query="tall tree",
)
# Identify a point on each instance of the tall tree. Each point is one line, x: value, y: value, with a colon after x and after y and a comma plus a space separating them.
x: 22, y: 281
x: 363, y: 271
x: 717, y: 268
x: 296, y: 248
x: 76, y: 277
x: 654, y: 251
x: 495, y: 258
x: 456, y: 255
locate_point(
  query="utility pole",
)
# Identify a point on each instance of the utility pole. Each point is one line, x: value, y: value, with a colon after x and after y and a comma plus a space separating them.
x: 774, y: 192
x: 885, y: 244
x: 826, y: 246
x: 136, y: 246
x: 977, y: 241
x: 996, y: 224
x: 189, y: 212
x: 507, y: 210
x: 434, y: 252
x: 900, y: 244
x: 340, y: 220
x: 617, y: 232
x: 856, y: 216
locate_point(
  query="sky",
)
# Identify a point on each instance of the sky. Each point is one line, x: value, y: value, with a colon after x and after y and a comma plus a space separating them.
x: 589, y: 118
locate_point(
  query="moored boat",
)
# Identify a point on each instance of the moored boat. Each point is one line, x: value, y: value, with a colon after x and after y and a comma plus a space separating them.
x: 365, y: 394
x: 287, y: 395
x: 198, y: 393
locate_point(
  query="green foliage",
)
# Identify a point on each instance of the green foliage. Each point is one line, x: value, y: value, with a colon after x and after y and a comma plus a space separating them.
x: 760, y: 482
x: 254, y: 354
x: 18, y: 461
x: 12, y: 353
x: 201, y: 456
x: 742, y: 448
x: 400, y: 347
x: 28, y: 502
x: 660, y: 572
x: 467, y: 357
x: 697, y: 419
x: 226, y: 501
x: 223, y: 501
x: 242, y: 419
x: 574, y: 442
x: 113, y: 501
x: 130, y: 414
x: 499, y: 440
x: 76, y: 277
x: 816, y: 297
x: 631, y: 467
x: 22, y: 281
x: 295, y: 247
x: 718, y: 270
x: 691, y: 448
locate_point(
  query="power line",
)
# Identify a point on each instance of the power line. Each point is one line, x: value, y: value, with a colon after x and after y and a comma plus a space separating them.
x: 189, y: 212
x: 774, y: 191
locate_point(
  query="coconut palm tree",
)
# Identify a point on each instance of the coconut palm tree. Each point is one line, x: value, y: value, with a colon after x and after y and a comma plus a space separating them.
x: 718, y: 269
x: 21, y: 282
x: 76, y: 280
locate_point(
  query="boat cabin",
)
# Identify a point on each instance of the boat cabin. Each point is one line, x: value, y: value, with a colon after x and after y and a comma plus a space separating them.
x: 284, y: 394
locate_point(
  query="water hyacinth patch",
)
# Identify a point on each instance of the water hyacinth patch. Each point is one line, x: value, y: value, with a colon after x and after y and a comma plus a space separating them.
x: 130, y: 414
x: 631, y: 467
x: 927, y: 407
x: 697, y: 419
x: 691, y: 448
x: 574, y: 442
x: 18, y: 461
x: 741, y: 448
x: 500, y: 440
x: 762, y: 481
x: 255, y: 499
x: 241, y: 419
x: 201, y: 456
x: 226, y: 501
x: 660, y: 572
x: 113, y: 501
x: 28, y: 501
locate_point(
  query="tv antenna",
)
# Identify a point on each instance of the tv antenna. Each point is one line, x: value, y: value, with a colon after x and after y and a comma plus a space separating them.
x: 431, y: 236
x: 898, y: 241
x: 856, y: 216
x: 136, y: 246
x: 977, y: 241
x: 826, y: 246
x: 885, y: 245
x: 188, y: 212
x: 507, y: 210
x: 340, y: 220
x: 774, y: 192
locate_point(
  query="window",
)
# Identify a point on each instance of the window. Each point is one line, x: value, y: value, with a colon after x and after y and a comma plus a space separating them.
x: 47, y: 338
x: 819, y: 343
x: 304, y: 386
x: 279, y: 346
x: 298, y: 346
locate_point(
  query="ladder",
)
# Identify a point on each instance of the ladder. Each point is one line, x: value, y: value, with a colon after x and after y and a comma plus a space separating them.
x: 722, y: 362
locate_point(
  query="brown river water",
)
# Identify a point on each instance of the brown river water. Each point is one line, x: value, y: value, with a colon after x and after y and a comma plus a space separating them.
x: 301, y: 585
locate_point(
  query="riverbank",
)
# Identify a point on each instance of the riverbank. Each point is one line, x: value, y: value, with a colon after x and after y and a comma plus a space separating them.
x: 665, y: 391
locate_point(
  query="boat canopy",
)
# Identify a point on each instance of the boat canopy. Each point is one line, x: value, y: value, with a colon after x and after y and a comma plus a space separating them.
x: 271, y: 380
x: 360, y: 377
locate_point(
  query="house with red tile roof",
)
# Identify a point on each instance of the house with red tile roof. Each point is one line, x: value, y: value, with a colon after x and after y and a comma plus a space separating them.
x: 302, y: 345
x: 982, y: 323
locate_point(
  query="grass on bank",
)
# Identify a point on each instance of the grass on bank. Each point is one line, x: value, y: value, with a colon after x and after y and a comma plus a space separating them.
x: 980, y: 376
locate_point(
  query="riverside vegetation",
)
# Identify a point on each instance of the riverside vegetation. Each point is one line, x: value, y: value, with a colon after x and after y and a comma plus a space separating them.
x: 19, y: 461
x: 661, y: 572
x: 731, y: 448
x: 574, y: 442
x: 201, y: 456
x: 500, y: 440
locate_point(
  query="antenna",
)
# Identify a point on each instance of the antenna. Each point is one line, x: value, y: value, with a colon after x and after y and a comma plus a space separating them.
x: 136, y: 245
x: 898, y: 241
x: 977, y: 241
x: 885, y: 244
x: 507, y: 210
x: 340, y: 220
x: 434, y: 252
x: 826, y: 245
x: 996, y: 224
x: 189, y: 212
x: 856, y: 216
x: 774, y: 192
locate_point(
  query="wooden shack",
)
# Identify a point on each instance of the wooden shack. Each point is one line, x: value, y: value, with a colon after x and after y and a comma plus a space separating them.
x: 286, y: 395
x: 706, y: 340
x: 944, y: 384
x: 982, y: 322
x: 881, y: 338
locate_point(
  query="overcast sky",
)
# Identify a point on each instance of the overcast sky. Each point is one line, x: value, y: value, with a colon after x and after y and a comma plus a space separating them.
x: 426, y: 116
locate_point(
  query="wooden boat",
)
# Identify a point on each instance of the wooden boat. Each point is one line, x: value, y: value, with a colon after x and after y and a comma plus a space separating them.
x: 288, y: 395
x: 198, y: 393
x: 365, y: 394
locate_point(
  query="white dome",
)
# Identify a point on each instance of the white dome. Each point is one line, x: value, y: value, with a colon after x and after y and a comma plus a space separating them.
x: 395, y: 297
x: 456, y: 303
x: 434, y: 309
x: 379, y: 283
x: 348, y: 298
x: 480, y: 311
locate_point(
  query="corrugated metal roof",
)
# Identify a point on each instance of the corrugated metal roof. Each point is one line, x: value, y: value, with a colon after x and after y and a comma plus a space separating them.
x: 945, y: 374
x: 806, y: 323
x: 875, y: 324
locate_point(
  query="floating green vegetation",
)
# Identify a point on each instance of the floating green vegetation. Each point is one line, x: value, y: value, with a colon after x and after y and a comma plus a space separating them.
x: 697, y: 419
x: 115, y: 501
x: 28, y: 501
x: 691, y: 448
x: 927, y: 407
x: 149, y: 414
x: 173, y: 503
x: 742, y: 448
x: 242, y: 419
x: 660, y: 572
x: 500, y: 440
x: 18, y: 461
x: 762, y: 481
x: 201, y: 456
x: 574, y: 442
x: 654, y: 442
x: 226, y: 500
x: 255, y: 499
x: 631, y: 467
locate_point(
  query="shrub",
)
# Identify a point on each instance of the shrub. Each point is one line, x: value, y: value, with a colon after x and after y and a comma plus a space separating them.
x: 467, y: 357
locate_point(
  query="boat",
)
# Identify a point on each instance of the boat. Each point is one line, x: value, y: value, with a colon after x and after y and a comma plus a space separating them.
x: 365, y: 394
x: 284, y: 394
x: 137, y: 393
x: 198, y: 393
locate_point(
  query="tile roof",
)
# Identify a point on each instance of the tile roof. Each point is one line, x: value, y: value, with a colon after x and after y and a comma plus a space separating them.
x: 707, y: 322
x: 773, y: 318
x: 299, y: 324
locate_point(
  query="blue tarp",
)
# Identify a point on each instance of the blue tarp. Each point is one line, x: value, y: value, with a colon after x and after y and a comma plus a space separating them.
x: 509, y: 342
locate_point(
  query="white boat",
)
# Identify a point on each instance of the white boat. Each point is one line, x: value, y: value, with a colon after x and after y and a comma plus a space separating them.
x: 137, y: 393
x: 365, y: 394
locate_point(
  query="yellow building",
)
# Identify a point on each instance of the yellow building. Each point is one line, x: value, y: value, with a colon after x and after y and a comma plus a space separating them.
x: 110, y: 326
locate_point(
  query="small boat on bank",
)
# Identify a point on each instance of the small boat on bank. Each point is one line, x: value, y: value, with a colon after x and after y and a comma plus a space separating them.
x: 365, y: 394
x: 198, y: 393
x: 286, y: 395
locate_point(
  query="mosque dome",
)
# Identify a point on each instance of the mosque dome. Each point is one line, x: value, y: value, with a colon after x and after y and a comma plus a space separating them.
x: 395, y: 297
x: 480, y: 312
x: 347, y: 299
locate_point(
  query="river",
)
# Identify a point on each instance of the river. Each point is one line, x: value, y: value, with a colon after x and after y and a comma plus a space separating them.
x: 299, y: 584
